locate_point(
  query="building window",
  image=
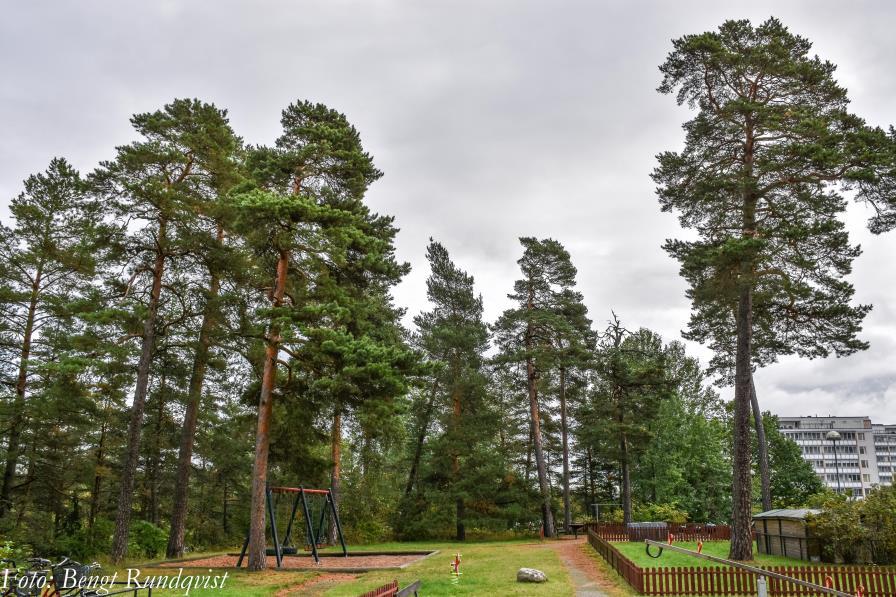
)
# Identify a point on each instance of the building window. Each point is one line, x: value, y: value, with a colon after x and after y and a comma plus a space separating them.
x: 866, y: 478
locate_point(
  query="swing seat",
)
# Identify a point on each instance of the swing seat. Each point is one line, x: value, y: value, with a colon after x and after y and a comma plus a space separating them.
x: 286, y: 551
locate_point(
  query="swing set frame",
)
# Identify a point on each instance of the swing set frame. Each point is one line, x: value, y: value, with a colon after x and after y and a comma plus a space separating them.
x: 314, y: 534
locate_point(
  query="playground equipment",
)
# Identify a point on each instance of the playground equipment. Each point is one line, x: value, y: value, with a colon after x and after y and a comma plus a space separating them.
x: 761, y: 574
x: 313, y: 534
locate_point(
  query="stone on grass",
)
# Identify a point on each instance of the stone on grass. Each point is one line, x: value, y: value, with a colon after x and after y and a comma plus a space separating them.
x: 530, y: 575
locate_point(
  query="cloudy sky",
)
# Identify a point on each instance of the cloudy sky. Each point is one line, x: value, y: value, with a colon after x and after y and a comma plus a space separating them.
x: 491, y: 120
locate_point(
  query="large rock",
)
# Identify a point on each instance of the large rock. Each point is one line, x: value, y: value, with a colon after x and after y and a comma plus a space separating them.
x: 530, y: 575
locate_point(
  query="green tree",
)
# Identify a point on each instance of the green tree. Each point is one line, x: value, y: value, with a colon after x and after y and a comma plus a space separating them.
x: 793, y: 481
x: 294, y: 227
x: 758, y: 179
x: 45, y: 259
x: 453, y: 338
x: 156, y: 187
x: 687, y: 460
x: 877, y: 516
x: 220, y: 259
x: 528, y: 333
x: 574, y: 343
x: 632, y: 381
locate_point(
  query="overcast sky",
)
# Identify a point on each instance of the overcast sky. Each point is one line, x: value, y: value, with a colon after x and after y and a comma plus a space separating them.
x: 491, y: 120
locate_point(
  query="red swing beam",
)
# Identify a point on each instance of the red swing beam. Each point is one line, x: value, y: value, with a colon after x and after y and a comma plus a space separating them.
x: 299, y: 490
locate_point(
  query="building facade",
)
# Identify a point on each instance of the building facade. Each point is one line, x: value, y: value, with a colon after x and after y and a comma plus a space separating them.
x: 863, y: 457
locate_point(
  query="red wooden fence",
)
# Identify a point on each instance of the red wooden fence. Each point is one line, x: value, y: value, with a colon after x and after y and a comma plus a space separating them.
x: 875, y: 581
x: 387, y: 590
x: 682, y: 532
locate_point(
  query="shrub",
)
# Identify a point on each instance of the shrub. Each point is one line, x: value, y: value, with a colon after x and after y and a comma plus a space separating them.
x: 878, y: 512
x: 84, y: 544
x: 840, y: 529
x: 652, y: 513
x: 147, y: 539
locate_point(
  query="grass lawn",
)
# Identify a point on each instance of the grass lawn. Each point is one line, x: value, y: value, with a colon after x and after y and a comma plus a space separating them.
x: 487, y: 567
x: 238, y: 583
x: 636, y: 553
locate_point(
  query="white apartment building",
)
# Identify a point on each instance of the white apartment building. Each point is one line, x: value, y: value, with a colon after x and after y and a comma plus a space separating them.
x: 864, y: 455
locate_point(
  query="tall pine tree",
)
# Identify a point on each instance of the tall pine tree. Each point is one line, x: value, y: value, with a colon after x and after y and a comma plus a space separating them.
x: 757, y: 178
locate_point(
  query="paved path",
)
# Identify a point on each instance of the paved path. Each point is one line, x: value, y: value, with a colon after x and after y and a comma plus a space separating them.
x: 586, y: 578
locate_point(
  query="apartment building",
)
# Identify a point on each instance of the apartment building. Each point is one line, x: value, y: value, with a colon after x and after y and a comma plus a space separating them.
x: 857, y: 457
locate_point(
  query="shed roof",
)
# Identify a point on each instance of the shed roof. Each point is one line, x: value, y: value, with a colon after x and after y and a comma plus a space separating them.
x: 798, y: 514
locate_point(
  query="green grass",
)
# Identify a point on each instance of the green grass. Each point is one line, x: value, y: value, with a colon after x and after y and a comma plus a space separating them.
x: 487, y: 568
x: 636, y: 553
x: 239, y: 583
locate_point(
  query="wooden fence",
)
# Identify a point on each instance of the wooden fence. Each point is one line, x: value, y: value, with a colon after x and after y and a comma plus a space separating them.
x: 874, y: 581
x: 633, y: 574
x: 682, y: 532
x: 387, y: 590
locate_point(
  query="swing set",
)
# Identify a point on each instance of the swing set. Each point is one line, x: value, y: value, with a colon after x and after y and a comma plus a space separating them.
x: 316, y: 536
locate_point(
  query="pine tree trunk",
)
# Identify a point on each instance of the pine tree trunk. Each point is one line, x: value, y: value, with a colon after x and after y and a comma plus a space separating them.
x: 336, y: 473
x: 18, y: 417
x: 225, y: 518
x: 741, y: 506
x: 132, y: 453
x: 529, y: 452
x: 762, y: 443
x: 175, y: 547
x: 257, y: 547
x: 626, y: 481
x: 97, y: 478
x: 741, y: 533
x: 592, y: 492
x: 461, y: 533
x: 156, y: 464
x: 546, y: 515
x: 567, y: 515
x: 421, y: 437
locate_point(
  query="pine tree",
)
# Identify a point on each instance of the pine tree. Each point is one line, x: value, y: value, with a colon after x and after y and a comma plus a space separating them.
x: 574, y: 345
x: 633, y: 381
x: 161, y: 183
x: 454, y: 339
x: 44, y: 259
x: 293, y: 227
x: 771, y: 139
x: 528, y: 333
x: 220, y: 260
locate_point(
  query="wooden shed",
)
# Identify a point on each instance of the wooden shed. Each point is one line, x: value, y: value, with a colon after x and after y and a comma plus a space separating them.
x: 785, y: 533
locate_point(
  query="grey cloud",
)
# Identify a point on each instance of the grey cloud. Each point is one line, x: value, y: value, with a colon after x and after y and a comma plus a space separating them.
x: 491, y: 120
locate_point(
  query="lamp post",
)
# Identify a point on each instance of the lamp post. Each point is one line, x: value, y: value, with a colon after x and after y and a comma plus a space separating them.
x: 835, y: 437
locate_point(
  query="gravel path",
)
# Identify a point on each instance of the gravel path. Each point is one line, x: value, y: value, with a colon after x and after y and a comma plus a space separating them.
x: 586, y: 578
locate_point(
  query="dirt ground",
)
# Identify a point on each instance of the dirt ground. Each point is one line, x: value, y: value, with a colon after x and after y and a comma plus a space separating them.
x: 588, y: 580
x: 315, y: 586
x: 306, y: 563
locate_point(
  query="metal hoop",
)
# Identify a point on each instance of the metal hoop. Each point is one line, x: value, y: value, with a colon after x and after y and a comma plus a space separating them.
x: 647, y: 549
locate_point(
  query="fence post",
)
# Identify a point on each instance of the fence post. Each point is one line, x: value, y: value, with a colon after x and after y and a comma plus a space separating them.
x: 761, y: 586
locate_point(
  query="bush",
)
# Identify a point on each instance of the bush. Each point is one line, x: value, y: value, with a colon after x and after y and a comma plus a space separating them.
x: 13, y: 551
x: 858, y: 531
x: 840, y: 529
x: 652, y: 513
x: 147, y: 539
x: 84, y: 544
x: 878, y: 512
